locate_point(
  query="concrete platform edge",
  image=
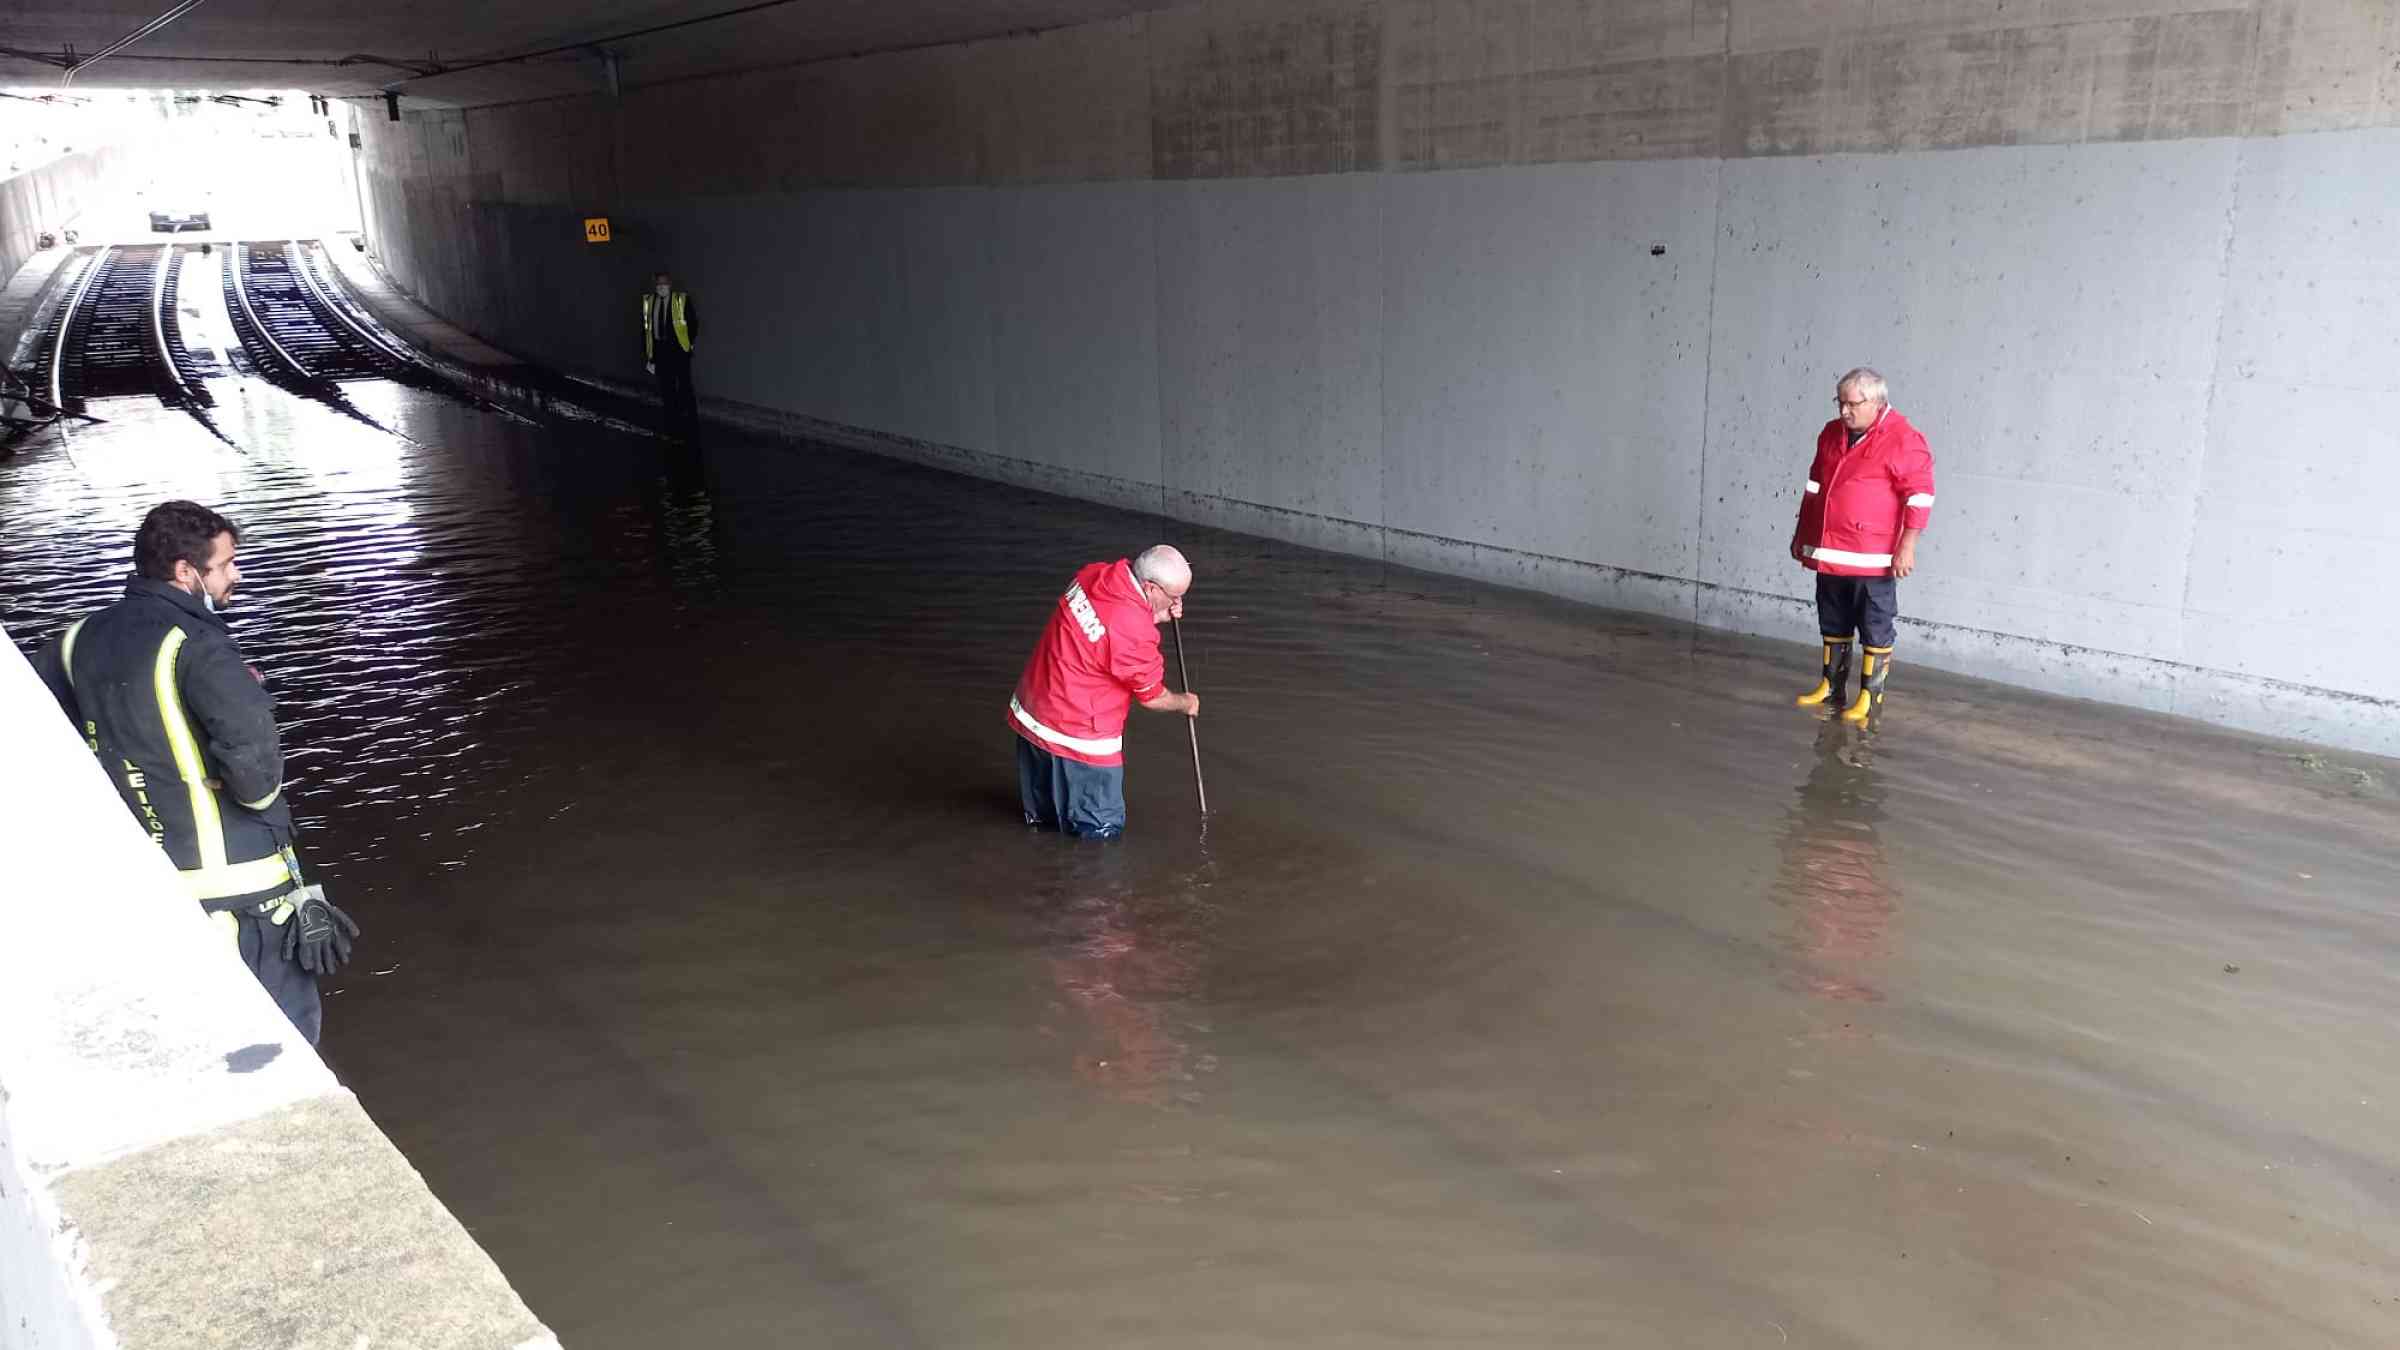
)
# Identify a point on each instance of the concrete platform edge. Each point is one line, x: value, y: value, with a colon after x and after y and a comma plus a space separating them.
x: 177, y: 1167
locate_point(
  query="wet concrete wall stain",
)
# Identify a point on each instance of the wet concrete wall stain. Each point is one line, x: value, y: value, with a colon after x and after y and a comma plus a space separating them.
x: 1276, y: 92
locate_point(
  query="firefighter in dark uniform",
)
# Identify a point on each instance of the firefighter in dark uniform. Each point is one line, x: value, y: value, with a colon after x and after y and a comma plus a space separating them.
x: 186, y: 731
x: 669, y: 328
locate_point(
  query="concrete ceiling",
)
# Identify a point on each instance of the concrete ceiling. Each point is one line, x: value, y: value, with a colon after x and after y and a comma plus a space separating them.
x: 347, y: 48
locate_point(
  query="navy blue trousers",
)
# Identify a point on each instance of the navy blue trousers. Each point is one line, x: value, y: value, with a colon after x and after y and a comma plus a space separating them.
x: 1864, y: 607
x: 294, y: 989
x: 1068, y: 795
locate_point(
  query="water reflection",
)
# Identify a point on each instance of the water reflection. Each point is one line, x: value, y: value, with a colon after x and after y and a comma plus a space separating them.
x: 1127, y: 972
x: 683, y: 517
x: 200, y: 316
x: 1833, y: 874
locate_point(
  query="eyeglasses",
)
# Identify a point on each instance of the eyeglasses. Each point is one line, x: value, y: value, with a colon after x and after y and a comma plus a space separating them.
x: 1846, y: 404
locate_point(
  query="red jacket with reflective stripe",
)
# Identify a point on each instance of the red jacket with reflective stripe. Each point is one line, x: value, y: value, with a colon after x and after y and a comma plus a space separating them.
x: 1096, y: 658
x: 1859, y: 497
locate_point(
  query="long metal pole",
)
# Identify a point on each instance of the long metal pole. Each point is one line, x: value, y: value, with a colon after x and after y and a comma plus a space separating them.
x: 1191, y: 724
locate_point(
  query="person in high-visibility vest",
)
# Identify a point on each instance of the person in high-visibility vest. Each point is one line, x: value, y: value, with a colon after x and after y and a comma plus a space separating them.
x: 670, y: 326
x: 185, y: 730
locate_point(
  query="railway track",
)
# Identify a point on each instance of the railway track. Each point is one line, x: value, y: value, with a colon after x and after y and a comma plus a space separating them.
x: 289, y: 322
x: 111, y: 337
x: 117, y: 334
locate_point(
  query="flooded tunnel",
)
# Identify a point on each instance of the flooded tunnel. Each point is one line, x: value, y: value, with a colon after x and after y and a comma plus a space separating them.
x: 1538, y: 973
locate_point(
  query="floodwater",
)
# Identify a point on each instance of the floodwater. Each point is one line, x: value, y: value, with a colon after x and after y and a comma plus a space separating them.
x: 1542, y: 977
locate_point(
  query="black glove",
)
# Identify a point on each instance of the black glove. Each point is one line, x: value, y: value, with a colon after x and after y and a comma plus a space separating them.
x: 315, y: 933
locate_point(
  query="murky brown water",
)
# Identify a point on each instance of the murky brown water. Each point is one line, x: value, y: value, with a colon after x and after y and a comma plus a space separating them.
x: 1543, y: 978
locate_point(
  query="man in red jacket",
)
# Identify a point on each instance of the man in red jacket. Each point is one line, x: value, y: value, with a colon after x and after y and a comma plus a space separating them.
x: 1869, y: 495
x: 1097, y: 657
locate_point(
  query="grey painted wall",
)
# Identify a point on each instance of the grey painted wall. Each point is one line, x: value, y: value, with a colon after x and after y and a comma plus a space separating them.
x: 2157, y: 374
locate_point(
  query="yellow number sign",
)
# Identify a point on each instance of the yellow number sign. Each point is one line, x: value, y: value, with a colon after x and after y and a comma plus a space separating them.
x: 595, y: 229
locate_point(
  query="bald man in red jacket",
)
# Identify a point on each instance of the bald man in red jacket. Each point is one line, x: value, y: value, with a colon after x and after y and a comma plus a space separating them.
x: 1098, y: 656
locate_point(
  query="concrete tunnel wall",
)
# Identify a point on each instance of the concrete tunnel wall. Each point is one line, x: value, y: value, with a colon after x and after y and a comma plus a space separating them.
x: 1385, y: 277
x: 55, y: 196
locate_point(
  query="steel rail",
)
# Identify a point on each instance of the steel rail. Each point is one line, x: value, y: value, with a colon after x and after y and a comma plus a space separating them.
x: 241, y: 291
x: 297, y: 261
x: 158, y: 321
x: 66, y: 322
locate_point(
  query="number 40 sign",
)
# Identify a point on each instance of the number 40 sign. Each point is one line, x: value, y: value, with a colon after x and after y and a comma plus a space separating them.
x: 595, y: 229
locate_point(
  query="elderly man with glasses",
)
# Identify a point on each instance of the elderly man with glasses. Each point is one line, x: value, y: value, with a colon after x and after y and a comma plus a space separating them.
x: 1098, y: 655
x: 1869, y: 495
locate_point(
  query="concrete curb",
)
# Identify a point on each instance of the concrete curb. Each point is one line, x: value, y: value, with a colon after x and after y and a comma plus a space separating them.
x: 177, y: 1167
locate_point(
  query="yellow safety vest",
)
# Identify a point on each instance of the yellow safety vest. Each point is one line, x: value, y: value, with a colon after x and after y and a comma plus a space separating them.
x: 675, y: 303
x: 213, y: 873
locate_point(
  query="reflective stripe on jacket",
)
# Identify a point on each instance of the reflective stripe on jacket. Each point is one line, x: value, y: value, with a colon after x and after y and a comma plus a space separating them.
x: 1097, y: 656
x: 1859, y: 497
x: 163, y: 699
x: 679, y: 305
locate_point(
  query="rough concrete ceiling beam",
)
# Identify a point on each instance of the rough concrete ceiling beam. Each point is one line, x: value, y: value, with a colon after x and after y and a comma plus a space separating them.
x: 130, y: 38
x: 470, y: 52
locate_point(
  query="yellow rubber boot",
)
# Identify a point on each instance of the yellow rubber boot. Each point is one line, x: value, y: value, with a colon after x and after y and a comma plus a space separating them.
x: 1877, y: 669
x: 1835, y: 678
